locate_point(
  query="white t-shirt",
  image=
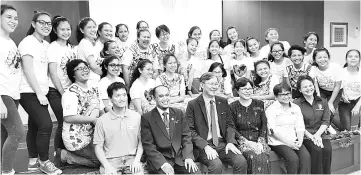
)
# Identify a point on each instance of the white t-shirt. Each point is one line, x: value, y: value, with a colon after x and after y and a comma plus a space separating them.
x: 235, y: 65
x: 61, y: 55
x: 266, y: 49
x: 327, y: 79
x: 104, y: 84
x: 31, y: 46
x: 141, y: 91
x: 309, y: 58
x: 225, y: 59
x: 279, y: 69
x: 86, y: 49
x: 351, y: 85
x: 10, y: 68
x: 198, y: 65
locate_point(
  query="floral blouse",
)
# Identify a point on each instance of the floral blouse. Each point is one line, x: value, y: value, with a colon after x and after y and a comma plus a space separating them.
x: 175, y: 84
x: 158, y: 53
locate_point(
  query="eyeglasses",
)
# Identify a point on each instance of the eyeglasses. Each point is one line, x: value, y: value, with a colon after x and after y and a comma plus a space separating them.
x: 277, y: 51
x: 82, y: 69
x: 284, y: 94
x: 114, y: 65
x: 164, y: 34
x: 246, y: 89
x: 43, y: 23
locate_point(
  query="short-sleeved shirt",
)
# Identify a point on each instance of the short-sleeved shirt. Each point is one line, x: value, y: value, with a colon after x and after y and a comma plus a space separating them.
x: 293, y: 73
x: 309, y: 58
x: 286, y: 122
x: 327, y: 79
x: 266, y: 87
x: 279, y: 69
x: 87, y: 49
x: 236, y: 65
x: 175, y: 84
x: 198, y: 65
x: 104, y: 84
x: 158, y: 52
x: 79, y: 101
x: 118, y: 135
x: 141, y: 91
x: 33, y: 47
x: 315, y: 114
x: 61, y: 55
x: 351, y: 85
x: 10, y: 68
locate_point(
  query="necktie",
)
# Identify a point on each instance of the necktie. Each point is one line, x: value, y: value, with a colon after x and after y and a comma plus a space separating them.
x: 213, y: 124
x: 166, y: 121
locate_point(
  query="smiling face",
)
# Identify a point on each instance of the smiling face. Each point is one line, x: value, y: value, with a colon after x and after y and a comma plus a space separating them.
x: 63, y: 31
x: 262, y: 70
x: 307, y: 88
x: 196, y: 34
x: 311, y: 41
x: 210, y: 86
x: 232, y: 34
x: 192, y: 47
x: 113, y: 49
x: 272, y: 36
x: 9, y: 20
x: 216, y: 36
x: 353, y: 59
x: 144, y: 40
x: 171, y: 65
x: 217, y: 72
x: 253, y: 45
x: 277, y: 51
x: 296, y: 57
x: 90, y: 30
x: 114, y: 67
x: 81, y: 73
x: 322, y: 59
x: 164, y: 36
x: 42, y: 25
x: 239, y: 48
x: 106, y: 32
x: 147, y: 71
x: 119, y: 98
x: 214, y: 48
x: 284, y: 97
x: 245, y: 92
x: 123, y: 33
x: 162, y: 97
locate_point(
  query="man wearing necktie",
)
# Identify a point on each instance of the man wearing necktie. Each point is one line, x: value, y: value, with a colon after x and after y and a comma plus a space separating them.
x: 208, y: 119
x: 166, y: 138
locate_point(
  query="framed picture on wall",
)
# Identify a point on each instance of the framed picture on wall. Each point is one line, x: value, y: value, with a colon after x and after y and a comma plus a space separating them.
x: 339, y: 34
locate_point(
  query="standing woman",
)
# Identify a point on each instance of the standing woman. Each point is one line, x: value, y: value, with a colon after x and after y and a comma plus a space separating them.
x: 171, y: 79
x: 34, y: 87
x: 232, y: 37
x: 242, y: 64
x: 271, y: 36
x: 316, y: 116
x: 328, y: 78
x: 87, y: 50
x: 215, y: 56
x: 225, y: 86
x: 250, y: 122
x: 164, y: 46
x: 141, y: 86
x: 252, y: 45
x: 196, y: 33
x: 59, y: 53
x: 121, y: 37
x: 278, y: 60
x: 111, y: 69
x: 104, y: 34
x: 350, y: 103
x: 264, y: 82
x: 10, y: 73
x: 310, y: 40
x: 142, y: 25
x: 194, y: 67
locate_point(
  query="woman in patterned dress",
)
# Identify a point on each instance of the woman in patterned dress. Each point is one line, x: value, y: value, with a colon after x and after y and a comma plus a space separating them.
x: 264, y: 82
x: 171, y: 79
x: 250, y: 124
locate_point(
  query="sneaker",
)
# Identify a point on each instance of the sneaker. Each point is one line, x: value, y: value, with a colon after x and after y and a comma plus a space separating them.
x: 34, y: 167
x: 57, y: 158
x: 49, y: 168
x: 12, y: 172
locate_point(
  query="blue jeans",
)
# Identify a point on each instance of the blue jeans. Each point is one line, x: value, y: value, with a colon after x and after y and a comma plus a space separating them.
x: 14, y: 131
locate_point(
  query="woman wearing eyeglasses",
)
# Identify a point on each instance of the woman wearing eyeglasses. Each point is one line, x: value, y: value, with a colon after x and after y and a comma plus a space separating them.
x: 164, y: 46
x: 111, y: 68
x: 278, y: 60
x: 225, y: 86
x: 250, y: 122
x: 34, y: 87
x: 111, y: 48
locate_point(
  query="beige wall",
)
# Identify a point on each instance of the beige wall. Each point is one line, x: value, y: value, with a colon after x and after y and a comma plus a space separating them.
x: 342, y: 11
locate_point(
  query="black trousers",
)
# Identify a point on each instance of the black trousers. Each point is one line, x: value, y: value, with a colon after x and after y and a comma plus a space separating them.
x: 39, y: 126
x: 177, y: 169
x: 237, y: 161
x: 320, y: 157
x: 297, y: 161
x: 327, y: 95
x: 346, y: 115
x: 54, y: 98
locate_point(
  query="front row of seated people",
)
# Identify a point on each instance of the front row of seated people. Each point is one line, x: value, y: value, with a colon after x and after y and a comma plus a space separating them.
x: 211, y: 131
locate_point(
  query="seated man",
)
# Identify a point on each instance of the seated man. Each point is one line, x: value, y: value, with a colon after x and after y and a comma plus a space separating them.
x: 117, y: 135
x: 166, y: 137
x: 81, y: 111
x: 208, y: 118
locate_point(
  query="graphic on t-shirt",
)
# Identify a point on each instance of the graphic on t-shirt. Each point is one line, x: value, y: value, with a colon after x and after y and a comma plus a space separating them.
x: 294, y: 73
x: 157, y: 52
x: 99, y: 60
x: 172, y: 84
x: 13, y: 61
x: 325, y: 82
x: 240, y: 70
x: 137, y: 56
x: 65, y: 59
x: 148, y: 96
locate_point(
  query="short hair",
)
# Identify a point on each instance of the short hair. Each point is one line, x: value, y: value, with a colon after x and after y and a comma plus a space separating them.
x: 308, y: 34
x: 242, y: 82
x: 114, y: 87
x: 71, y: 65
x: 152, y: 92
x: 206, y: 76
x: 296, y: 47
x: 220, y: 65
x: 160, y: 29
x: 318, y: 50
x: 302, y: 78
x: 281, y: 87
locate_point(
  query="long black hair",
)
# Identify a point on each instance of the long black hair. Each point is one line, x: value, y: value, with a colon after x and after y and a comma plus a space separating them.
x: 220, y: 65
x: 228, y: 39
x: 209, y: 53
x: 136, y: 74
x: 103, y: 53
x: 270, y: 56
x: 55, y: 23
x: 35, y: 18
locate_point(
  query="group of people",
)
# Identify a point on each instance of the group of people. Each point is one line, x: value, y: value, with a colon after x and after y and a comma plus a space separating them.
x: 114, y: 99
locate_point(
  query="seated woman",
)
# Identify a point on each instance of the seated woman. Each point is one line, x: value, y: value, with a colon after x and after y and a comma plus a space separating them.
x: 264, y: 82
x: 140, y: 87
x: 286, y: 130
x: 171, y: 79
x: 316, y: 116
x: 225, y: 87
x: 111, y: 48
x: 111, y: 68
x: 250, y: 122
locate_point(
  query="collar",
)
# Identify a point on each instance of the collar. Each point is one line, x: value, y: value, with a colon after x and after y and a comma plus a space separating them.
x: 316, y: 98
x: 116, y: 116
x: 162, y: 111
x: 208, y: 100
x: 278, y: 104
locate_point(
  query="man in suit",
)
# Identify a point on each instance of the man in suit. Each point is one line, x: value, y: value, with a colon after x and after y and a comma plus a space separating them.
x: 212, y: 133
x: 166, y: 137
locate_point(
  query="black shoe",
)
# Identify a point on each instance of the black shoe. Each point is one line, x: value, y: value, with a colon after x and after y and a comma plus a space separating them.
x: 57, y: 159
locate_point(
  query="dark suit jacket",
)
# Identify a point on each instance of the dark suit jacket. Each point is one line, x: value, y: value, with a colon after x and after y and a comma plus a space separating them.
x: 159, y: 146
x: 196, y: 114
